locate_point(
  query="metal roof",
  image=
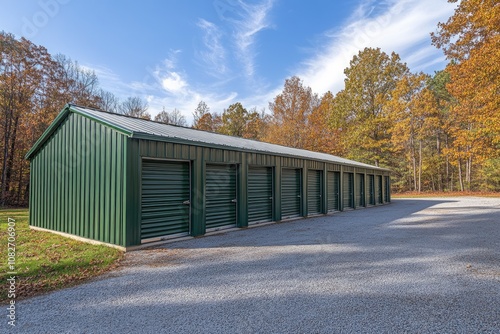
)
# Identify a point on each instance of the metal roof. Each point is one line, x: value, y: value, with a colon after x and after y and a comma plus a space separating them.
x: 141, y: 128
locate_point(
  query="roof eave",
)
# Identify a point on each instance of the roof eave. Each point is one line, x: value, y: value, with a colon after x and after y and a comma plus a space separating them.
x: 48, y: 132
x: 147, y: 136
x: 68, y: 108
x: 77, y: 110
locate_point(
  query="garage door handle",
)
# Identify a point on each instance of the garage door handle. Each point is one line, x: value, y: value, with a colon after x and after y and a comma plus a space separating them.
x: 233, y: 201
x: 298, y: 196
x: 186, y: 202
x: 271, y: 198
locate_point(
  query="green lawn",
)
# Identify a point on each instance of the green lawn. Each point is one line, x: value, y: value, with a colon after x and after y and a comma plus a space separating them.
x: 46, y: 261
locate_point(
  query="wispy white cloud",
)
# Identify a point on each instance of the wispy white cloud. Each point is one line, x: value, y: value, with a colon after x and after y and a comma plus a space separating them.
x: 170, y: 62
x: 170, y: 88
x: 260, y: 100
x: 163, y: 76
x: 429, y: 63
x: 401, y: 26
x: 189, y: 101
x: 252, y: 19
x: 107, y: 78
x: 168, y: 77
x: 424, y: 57
x: 173, y: 82
x: 214, y: 54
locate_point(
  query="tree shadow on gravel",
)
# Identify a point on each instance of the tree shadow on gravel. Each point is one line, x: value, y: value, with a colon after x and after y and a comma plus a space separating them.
x: 307, y: 231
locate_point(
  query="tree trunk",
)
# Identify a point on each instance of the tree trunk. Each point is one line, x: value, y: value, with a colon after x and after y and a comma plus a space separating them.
x: 420, y: 166
x: 451, y: 182
x: 440, y: 174
x: 10, y: 162
x: 27, y: 193
x: 469, y: 172
x: 447, y: 163
x: 460, y: 179
x: 20, y: 183
x: 414, y: 166
x: 6, y: 142
x: 413, y: 162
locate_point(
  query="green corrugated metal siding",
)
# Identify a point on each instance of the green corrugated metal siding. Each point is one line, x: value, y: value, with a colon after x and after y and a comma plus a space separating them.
x: 290, y: 193
x: 333, y: 191
x: 335, y: 168
x: 261, y: 159
x: 164, y: 150
x: 349, y: 169
x: 371, y: 189
x: 165, y: 198
x: 360, y: 190
x: 260, y: 194
x: 314, y: 165
x: 292, y: 162
x: 347, y: 193
x: 78, y: 181
x: 221, y: 156
x: 220, y: 194
x: 380, y: 199
x: 314, y: 191
x: 387, y: 188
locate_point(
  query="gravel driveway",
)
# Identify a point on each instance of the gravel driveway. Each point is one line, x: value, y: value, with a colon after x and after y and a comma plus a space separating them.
x: 415, y: 266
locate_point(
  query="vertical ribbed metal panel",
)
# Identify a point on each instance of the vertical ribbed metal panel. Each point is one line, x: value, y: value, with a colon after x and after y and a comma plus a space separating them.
x: 165, y: 198
x: 77, y: 181
x: 380, y: 199
x: 314, y: 165
x: 387, y: 197
x: 220, y: 195
x: 360, y: 190
x: 314, y: 191
x: 371, y: 189
x: 333, y: 191
x: 290, y: 193
x: 332, y: 167
x: 292, y: 162
x: 260, y: 194
x: 347, y: 194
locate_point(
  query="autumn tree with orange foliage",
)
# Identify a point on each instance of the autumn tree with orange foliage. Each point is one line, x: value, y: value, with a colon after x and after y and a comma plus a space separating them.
x: 414, y: 115
x: 239, y: 122
x: 470, y: 39
x: 25, y: 68
x: 290, y: 112
x: 370, y: 81
x: 34, y: 86
x: 322, y: 134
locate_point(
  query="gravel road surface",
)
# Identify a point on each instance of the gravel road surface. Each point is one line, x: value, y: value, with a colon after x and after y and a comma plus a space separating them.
x: 415, y: 266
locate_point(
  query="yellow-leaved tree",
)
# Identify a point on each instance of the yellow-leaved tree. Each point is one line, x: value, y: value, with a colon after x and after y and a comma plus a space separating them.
x: 370, y: 82
x: 470, y: 39
x: 290, y: 112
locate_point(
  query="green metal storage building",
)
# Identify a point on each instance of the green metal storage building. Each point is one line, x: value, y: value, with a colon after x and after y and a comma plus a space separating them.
x: 126, y: 181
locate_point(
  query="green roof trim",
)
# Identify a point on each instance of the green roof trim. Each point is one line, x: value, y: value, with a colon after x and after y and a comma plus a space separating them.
x: 63, y: 114
x: 147, y: 136
x: 102, y: 121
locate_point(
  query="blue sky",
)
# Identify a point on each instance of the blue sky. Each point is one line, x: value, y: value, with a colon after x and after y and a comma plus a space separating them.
x: 176, y: 53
